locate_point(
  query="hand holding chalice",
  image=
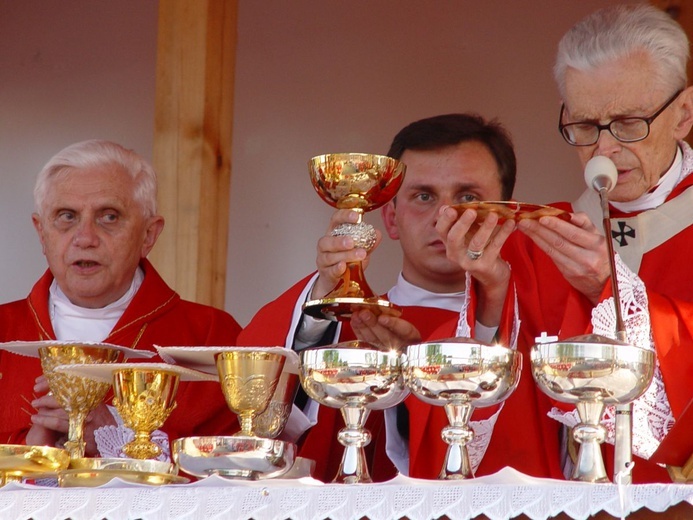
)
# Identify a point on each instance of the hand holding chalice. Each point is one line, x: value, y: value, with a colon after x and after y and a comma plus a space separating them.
x: 361, y: 182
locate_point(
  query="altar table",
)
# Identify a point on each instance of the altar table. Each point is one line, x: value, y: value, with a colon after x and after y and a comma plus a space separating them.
x: 505, y: 494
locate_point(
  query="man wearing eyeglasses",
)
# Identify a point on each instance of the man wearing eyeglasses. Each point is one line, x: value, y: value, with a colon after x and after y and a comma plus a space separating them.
x: 621, y: 74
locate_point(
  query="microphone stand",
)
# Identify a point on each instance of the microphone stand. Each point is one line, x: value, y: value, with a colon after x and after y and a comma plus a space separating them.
x: 623, y: 442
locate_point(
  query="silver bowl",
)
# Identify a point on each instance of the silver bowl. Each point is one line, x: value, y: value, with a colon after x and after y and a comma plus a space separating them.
x: 461, y: 374
x: 242, y: 457
x: 591, y: 372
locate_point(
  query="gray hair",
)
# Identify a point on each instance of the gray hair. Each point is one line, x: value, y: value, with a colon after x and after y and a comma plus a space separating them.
x: 617, y: 31
x: 97, y: 153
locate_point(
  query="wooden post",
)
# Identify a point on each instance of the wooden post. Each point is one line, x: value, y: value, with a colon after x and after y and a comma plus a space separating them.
x: 192, y: 144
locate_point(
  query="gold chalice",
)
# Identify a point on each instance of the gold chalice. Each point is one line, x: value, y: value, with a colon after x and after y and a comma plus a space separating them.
x: 362, y: 182
x: 270, y: 423
x: 591, y: 372
x: 355, y: 377
x: 77, y: 395
x: 248, y: 380
x: 461, y: 374
x: 144, y: 398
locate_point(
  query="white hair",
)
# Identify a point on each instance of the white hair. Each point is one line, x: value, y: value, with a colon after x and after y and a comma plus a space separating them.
x: 619, y: 31
x: 93, y: 154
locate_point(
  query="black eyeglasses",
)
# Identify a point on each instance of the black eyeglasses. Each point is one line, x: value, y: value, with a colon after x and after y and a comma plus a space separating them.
x: 625, y: 129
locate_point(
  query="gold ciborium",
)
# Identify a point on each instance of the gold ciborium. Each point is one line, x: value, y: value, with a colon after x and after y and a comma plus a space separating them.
x: 591, y: 372
x: 362, y: 182
x: 144, y: 398
x: 77, y: 395
x: 461, y: 374
x: 355, y: 377
x: 248, y: 380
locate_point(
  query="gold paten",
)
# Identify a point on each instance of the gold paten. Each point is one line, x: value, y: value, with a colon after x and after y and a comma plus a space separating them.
x: 361, y: 182
x: 19, y: 461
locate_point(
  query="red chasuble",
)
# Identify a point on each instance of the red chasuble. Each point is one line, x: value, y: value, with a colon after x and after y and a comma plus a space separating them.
x: 156, y: 315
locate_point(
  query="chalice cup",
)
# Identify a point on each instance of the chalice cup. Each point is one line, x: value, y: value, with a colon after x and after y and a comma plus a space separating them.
x: 270, y: 423
x: 591, y: 372
x: 461, y: 374
x: 361, y: 182
x: 248, y: 380
x: 144, y: 398
x: 355, y: 377
x: 77, y: 395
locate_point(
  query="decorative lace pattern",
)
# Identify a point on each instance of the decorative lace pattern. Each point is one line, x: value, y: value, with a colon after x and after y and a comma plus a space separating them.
x: 111, y: 439
x: 506, y: 494
x: 652, y: 416
x: 483, y: 429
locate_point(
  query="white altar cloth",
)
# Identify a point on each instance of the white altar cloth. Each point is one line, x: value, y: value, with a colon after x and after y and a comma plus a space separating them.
x: 503, y: 495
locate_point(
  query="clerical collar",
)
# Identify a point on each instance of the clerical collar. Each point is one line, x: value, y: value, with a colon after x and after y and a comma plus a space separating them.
x: 74, y: 323
x: 656, y: 197
x: 405, y: 293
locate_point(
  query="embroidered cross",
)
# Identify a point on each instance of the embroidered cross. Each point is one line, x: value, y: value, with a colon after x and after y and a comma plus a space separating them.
x: 624, y: 230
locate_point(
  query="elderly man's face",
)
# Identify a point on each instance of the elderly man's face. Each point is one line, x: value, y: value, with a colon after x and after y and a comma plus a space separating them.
x: 628, y: 87
x: 94, y: 234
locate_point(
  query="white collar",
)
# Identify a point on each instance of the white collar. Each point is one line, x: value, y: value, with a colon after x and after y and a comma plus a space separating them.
x: 405, y: 293
x: 656, y: 198
x: 74, y: 323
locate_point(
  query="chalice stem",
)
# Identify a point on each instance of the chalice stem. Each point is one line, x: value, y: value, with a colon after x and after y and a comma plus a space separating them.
x: 353, y: 469
x: 75, y: 444
x: 590, y: 434
x: 457, y: 435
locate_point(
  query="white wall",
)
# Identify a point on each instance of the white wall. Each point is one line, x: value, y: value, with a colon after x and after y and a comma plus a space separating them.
x: 313, y: 76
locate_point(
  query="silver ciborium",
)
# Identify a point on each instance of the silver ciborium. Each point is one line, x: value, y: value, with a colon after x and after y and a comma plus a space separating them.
x: 361, y: 182
x: 591, y: 372
x: 461, y: 374
x: 355, y: 377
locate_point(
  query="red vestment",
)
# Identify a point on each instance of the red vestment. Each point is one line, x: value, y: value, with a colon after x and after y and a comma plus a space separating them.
x: 548, y: 304
x: 156, y: 315
x: 536, y: 455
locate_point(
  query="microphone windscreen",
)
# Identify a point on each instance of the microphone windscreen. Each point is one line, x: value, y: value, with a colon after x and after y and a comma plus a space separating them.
x: 600, y: 172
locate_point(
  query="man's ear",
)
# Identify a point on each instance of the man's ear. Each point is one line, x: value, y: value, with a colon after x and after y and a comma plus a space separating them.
x: 389, y: 213
x: 685, y: 122
x: 38, y: 226
x: 154, y: 228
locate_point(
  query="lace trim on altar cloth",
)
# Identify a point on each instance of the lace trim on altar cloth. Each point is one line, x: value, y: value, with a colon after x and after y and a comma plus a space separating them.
x: 652, y: 416
x: 483, y: 430
x: 111, y: 439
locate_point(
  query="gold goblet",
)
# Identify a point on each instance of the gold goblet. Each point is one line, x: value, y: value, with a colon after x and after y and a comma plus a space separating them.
x: 591, y: 372
x: 270, y: 423
x: 248, y: 380
x: 355, y: 377
x: 362, y: 182
x: 144, y: 398
x: 76, y: 395
x: 461, y: 374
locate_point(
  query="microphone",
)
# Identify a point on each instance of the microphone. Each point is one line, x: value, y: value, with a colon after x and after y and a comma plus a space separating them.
x: 600, y: 172
x: 601, y: 175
